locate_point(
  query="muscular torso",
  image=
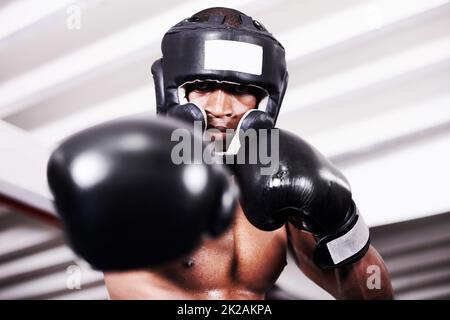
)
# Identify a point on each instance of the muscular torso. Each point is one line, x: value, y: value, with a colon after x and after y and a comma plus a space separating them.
x: 242, y: 264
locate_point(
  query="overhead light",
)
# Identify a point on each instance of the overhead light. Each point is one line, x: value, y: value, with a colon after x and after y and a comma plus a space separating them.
x: 346, y: 24
x: 338, y: 84
x: 41, y: 82
x: 133, y: 102
x: 118, y: 45
x: 20, y: 14
x: 355, y: 136
x: 412, y: 183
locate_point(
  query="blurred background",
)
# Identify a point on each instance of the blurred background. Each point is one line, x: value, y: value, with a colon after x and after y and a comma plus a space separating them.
x: 369, y: 86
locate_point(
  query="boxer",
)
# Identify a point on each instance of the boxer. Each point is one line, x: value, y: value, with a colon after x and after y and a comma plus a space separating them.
x: 224, y: 70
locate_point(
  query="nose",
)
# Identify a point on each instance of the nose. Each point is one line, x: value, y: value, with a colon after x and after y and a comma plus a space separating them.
x: 219, y: 104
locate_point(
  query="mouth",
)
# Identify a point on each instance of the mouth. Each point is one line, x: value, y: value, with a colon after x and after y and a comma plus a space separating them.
x: 222, y: 134
x: 220, y: 128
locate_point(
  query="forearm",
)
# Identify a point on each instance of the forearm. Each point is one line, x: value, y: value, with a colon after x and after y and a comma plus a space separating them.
x: 366, y: 279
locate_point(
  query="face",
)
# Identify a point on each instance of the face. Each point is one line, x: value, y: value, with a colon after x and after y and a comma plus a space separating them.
x: 224, y: 103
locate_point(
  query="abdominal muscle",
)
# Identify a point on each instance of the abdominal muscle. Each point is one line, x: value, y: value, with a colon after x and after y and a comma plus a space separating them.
x: 244, y: 263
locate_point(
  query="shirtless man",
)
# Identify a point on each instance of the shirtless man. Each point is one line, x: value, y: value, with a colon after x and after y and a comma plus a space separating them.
x: 245, y: 261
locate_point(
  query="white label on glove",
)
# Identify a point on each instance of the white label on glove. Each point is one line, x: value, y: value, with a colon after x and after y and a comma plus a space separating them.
x: 350, y: 243
x: 233, y: 56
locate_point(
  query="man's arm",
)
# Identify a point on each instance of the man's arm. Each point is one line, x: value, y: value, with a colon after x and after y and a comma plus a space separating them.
x: 355, y: 281
x: 113, y: 189
x: 309, y: 192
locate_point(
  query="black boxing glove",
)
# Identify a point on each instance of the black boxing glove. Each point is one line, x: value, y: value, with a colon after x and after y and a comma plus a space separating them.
x: 307, y: 190
x: 124, y: 203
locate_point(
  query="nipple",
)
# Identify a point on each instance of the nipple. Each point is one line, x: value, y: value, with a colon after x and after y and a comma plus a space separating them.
x: 189, y: 263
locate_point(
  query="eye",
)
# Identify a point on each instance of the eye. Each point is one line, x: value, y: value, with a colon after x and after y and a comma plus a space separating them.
x: 202, y: 86
x: 242, y: 89
x: 248, y: 90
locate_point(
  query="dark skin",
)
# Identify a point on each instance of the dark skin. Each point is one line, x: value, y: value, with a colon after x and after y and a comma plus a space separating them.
x: 245, y: 262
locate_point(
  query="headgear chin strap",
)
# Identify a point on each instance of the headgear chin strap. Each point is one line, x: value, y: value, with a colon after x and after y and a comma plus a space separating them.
x: 213, y: 50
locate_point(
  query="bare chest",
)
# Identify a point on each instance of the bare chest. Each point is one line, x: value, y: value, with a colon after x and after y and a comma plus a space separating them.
x: 244, y: 257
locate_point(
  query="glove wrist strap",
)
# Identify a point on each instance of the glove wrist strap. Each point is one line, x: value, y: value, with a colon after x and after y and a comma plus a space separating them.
x: 346, y: 245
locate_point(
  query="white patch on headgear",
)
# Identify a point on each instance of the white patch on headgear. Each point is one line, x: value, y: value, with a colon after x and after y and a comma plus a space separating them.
x: 234, y: 56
